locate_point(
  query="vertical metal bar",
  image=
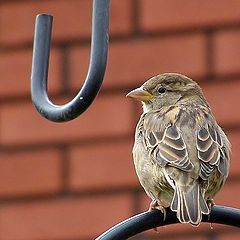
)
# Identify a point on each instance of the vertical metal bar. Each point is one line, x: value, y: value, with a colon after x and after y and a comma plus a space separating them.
x: 40, y: 62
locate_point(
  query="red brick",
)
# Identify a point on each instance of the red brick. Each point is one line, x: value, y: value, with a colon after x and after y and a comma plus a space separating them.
x: 174, y: 14
x: 102, y: 166
x: 121, y: 15
x: 234, y: 138
x: 17, y: 81
x: 224, y: 98
x: 21, y: 124
x: 144, y: 201
x: 31, y: 172
x: 63, y: 219
x: 232, y: 233
x: 226, y: 52
x: 227, y: 196
x: 72, y: 19
x: 137, y: 60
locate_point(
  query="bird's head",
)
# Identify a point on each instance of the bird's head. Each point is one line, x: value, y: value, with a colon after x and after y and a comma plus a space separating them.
x: 167, y: 89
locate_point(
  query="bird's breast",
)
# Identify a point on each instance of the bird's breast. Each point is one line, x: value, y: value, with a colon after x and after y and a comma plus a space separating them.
x: 151, y: 175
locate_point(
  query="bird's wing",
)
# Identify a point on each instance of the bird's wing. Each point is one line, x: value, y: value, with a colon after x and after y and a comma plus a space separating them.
x: 212, y: 152
x: 168, y: 147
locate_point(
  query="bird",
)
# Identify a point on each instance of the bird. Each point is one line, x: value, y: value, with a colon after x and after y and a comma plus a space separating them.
x: 180, y: 153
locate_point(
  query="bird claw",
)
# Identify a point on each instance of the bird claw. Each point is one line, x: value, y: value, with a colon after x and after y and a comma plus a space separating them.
x: 210, y: 203
x: 155, y: 205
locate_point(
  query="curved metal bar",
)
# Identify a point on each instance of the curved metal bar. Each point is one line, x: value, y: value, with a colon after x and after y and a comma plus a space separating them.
x: 149, y: 220
x: 97, y: 66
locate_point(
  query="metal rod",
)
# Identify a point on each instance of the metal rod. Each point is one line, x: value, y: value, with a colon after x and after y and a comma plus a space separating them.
x: 149, y: 220
x: 97, y: 66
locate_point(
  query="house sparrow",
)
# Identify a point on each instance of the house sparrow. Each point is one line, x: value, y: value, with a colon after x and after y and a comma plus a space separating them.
x: 180, y: 153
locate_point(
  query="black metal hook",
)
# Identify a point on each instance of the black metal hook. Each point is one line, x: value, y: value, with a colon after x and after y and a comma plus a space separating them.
x: 149, y: 220
x: 97, y: 66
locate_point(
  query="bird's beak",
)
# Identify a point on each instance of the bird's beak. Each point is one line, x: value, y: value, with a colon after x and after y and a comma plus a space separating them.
x: 140, y: 94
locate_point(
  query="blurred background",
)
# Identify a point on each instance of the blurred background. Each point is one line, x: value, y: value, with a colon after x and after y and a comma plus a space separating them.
x: 72, y: 181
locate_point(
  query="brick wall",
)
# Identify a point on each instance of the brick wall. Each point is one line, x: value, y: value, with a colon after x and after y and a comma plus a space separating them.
x: 72, y: 181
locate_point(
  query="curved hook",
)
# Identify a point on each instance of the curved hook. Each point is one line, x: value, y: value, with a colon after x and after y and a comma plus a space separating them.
x: 149, y: 220
x: 97, y: 66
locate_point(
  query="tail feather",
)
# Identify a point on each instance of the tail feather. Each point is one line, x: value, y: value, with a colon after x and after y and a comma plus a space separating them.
x: 189, y: 203
x: 183, y: 214
x: 174, y: 203
x: 203, y: 204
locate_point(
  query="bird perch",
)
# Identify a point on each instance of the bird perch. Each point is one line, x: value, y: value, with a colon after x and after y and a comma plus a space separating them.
x: 148, y: 220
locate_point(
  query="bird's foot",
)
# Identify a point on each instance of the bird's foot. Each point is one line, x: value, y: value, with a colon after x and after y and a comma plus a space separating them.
x: 210, y: 203
x: 155, y: 205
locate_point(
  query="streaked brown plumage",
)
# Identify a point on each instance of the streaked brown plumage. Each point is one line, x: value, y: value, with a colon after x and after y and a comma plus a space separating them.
x: 181, y: 155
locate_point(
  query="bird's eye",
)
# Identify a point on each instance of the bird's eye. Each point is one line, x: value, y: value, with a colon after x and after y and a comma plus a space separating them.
x: 162, y: 90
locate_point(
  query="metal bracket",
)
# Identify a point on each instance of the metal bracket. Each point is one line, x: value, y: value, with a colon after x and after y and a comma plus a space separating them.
x: 97, y: 66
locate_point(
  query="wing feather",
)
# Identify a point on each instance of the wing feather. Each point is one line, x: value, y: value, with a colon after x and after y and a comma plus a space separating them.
x: 168, y: 147
x: 211, y: 151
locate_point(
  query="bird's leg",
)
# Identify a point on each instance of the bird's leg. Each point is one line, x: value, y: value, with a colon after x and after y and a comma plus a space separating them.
x: 155, y: 205
x: 210, y: 203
